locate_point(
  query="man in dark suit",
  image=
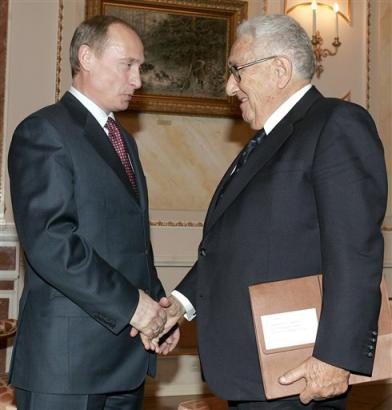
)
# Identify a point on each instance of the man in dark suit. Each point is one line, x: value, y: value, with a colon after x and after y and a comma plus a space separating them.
x: 80, y: 204
x: 306, y: 195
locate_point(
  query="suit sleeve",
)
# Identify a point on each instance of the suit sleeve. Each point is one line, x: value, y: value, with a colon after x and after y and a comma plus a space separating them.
x: 46, y: 217
x: 349, y: 177
x: 158, y: 291
x: 188, y: 286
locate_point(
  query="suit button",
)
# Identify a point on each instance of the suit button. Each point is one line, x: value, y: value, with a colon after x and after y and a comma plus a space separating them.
x: 370, y: 355
x: 371, y: 347
x: 373, y: 340
x: 374, y: 333
x: 203, y: 252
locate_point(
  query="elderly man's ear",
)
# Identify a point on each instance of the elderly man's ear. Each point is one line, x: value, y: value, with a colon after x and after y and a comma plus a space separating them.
x: 283, y: 71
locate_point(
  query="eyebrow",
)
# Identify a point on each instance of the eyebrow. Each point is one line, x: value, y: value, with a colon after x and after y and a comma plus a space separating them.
x: 132, y: 60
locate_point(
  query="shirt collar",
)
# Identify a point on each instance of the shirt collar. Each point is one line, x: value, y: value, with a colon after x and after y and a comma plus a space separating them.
x: 284, y: 108
x: 98, y: 113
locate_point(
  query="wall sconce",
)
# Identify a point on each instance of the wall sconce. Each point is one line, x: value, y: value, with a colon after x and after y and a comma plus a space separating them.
x: 338, y: 8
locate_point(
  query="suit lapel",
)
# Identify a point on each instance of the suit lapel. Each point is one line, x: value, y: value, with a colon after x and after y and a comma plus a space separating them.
x: 221, y: 184
x: 137, y: 167
x: 259, y: 158
x: 255, y: 163
x: 97, y: 137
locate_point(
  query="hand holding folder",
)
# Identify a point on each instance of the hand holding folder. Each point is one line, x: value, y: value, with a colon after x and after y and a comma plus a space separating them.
x: 322, y: 380
x: 286, y: 314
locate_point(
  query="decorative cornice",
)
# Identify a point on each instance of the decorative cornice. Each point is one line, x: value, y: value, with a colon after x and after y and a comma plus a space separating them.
x: 95, y: 6
x: 369, y: 15
x: 59, y: 48
x: 165, y: 262
x: 3, y: 65
x: 176, y: 224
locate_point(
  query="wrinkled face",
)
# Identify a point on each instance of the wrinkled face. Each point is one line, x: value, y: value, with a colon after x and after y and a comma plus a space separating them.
x: 256, y: 90
x: 115, y: 72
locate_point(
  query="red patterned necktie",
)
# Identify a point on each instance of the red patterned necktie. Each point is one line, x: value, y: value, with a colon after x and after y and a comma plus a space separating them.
x: 119, y: 146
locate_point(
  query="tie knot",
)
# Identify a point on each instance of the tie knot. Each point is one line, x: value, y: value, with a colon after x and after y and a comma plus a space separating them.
x: 259, y: 136
x: 252, y: 144
x: 256, y: 140
x: 111, y: 124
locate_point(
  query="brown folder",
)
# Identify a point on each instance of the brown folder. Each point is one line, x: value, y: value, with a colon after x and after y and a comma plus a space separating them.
x: 298, y: 295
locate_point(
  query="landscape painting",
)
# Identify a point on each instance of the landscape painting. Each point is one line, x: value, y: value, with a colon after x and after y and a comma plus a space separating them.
x: 186, y: 49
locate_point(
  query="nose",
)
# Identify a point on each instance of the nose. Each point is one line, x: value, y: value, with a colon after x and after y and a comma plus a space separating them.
x: 231, y: 86
x: 135, y: 78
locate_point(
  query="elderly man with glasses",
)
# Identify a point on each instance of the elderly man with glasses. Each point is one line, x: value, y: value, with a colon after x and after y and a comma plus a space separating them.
x: 306, y: 195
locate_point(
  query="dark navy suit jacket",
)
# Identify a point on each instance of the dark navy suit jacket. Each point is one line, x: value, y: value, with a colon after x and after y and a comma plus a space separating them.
x: 87, y: 246
x: 310, y: 199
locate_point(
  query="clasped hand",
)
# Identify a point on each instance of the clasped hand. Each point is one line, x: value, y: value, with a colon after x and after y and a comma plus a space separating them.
x: 149, y: 318
x: 157, y: 323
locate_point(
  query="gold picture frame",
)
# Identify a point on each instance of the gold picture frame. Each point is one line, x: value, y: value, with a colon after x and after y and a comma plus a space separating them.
x: 187, y: 43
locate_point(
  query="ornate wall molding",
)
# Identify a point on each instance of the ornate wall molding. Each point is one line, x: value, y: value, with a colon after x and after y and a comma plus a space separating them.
x: 3, y: 59
x: 368, y: 44
x: 59, y: 48
x: 178, y: 224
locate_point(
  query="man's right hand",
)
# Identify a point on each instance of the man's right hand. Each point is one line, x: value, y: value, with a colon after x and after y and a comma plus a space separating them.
x: 149, y: 318
x: 175, y: 311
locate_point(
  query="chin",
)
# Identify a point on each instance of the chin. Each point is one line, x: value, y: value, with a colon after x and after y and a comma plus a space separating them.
x: 248, y: 119
x: 123, y: 106
x: 254, y: 126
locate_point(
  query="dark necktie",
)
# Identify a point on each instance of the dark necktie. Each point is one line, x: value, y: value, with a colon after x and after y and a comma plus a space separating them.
x: 242, y: 159
x: 250, y: 146
x: 119, y: 146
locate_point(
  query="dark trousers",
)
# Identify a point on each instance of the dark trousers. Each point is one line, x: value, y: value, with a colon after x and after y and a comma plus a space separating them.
x: 131, y: 400
x: 291, y: 404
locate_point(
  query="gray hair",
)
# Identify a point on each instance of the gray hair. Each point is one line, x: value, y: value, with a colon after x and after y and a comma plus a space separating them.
x: 282, y: 35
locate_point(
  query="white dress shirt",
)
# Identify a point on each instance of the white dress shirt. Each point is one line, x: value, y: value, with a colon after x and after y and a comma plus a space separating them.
x: 269, y: 125
x: 284, y: 109
x: 97, y: 112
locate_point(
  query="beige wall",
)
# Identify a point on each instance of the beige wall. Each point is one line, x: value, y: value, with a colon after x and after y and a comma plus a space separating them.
x: 185, y: 156
x: 381, y: 102
x: 381, y: 77
x: 31, y: 67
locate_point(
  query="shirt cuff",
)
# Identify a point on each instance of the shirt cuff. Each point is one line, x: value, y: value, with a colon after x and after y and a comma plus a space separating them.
x: 190, y: 312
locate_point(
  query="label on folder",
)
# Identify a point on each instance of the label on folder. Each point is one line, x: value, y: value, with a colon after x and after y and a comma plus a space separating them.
x: 282, y: 330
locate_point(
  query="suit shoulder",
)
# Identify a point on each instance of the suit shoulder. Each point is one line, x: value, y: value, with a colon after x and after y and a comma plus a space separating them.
x: 46, y: 125
x: 348, y: 126
x: 53, y: 114
x: 335, y: 106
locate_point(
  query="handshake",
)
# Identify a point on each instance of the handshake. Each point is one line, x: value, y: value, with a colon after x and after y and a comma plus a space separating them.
x: 157, y: 323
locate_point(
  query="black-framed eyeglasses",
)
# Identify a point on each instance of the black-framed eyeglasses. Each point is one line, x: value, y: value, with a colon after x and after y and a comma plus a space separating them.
x: 235, y: 69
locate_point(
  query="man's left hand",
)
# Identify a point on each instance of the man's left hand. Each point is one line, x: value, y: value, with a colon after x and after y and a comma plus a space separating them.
x: 322, y: 380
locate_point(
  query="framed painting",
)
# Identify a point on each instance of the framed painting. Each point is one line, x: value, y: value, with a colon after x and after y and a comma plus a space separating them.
x: 186, y: 45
